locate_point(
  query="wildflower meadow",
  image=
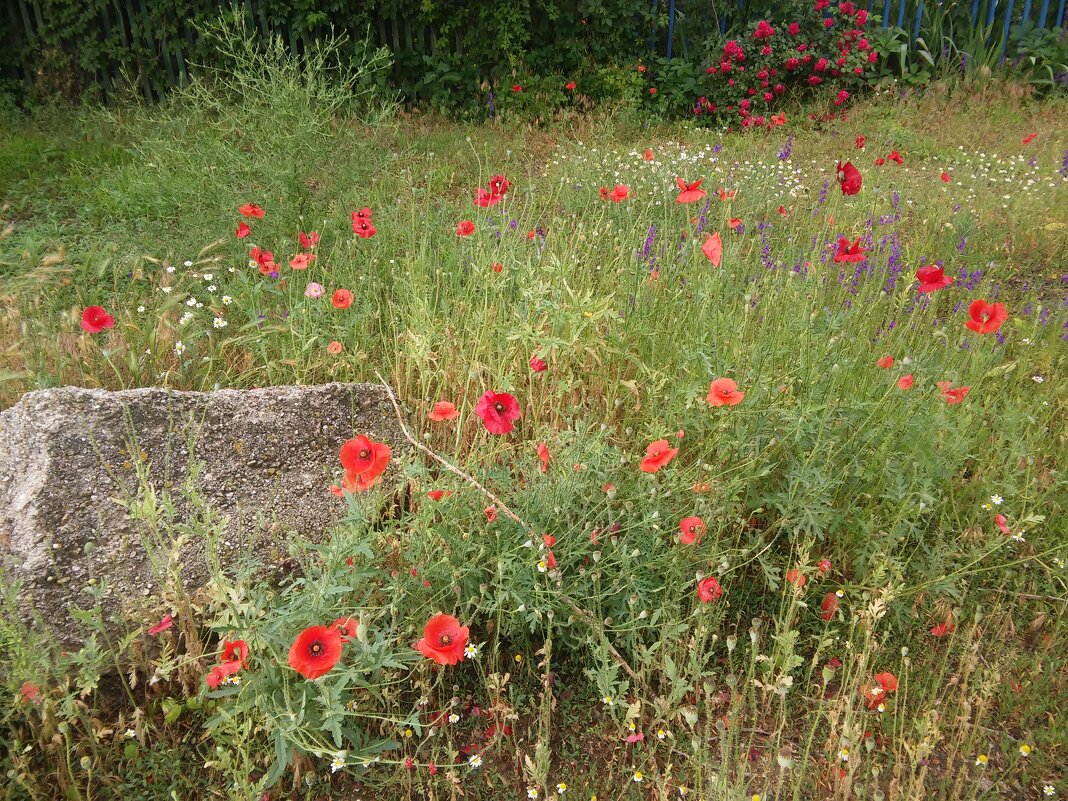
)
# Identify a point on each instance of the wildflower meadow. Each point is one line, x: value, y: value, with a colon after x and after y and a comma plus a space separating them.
x: 734, y: 461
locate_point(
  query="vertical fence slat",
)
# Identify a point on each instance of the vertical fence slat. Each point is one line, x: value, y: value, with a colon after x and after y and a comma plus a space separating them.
x: 1026, y: 10
x: 671, y: 27
x: 1042, y: 14
x: 652, y: 29
x: 990, y: 12
x: 886, y: 13
x: 975, y: 11
x: 1059, y: 22
x: 1005, y: 27
x: 901, y: 14
x: 916, y: 23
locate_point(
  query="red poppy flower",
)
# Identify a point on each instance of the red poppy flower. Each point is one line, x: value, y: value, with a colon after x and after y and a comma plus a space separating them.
x: 603, y: 192
x: 437, y: 495
x: 620, y: 193
x: 942, y: 629
x: 859, y: 143
x: 95, y: 320
x: 485, y: 198
x: 796, y: 577
x: 713, y: 249
x: 932, y: 278
x: 708, y: 590
x: 1002, y: 523
x: 301, y: 261
x: 465, y: 228
x: 165, y: 623
x: 689, y: 193
x: 724, y: 392
x: 905, y: 382
x: 849, y: 253
x: 491, y: 513
x: 242, y: 230
x: 363, y: 228
x: 497, y: 267
x: 334, y: 347
x: 364, y: 459
x: 945, y: 177
x: 1029, y: 138
x: 849, y: 178
x: 443, y: 640
x: 308, y: 241
x: 824, y: 565
x: 658, y: 454
x: 829, y: 606
x: 252, y: 210
x: 498, y: 410
x: 953, y: 396
x: 538, y: 365
x: 783, y: 211
x: 315, y: 651
x: 727, y: 194
x: 517, y: 88
x: 443, y: 410
x: 236, y: 650
x: 362, y: 214
x: 30, y: 693
x: 264, y: 258
x: 499, y: 185
x: 652, y: 90
x: 341, y: 299
x: 734, y: 223
x: 986, y: 317
x: 648, y: 154
x: 895, y: 157
x: 544, y: 456
x: 886, y: 362
x: 692, y: 528
x: 218, y: 674
x: 570, y: 86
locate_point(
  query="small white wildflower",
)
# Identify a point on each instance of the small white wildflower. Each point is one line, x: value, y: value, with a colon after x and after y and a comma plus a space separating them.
x: 219, y: 322
x: 227, y: 300
x: 1025, y: 750
x: 607, y: 700
x: 130, y: 734
x: 981, y: 760
x: 661, y: 734
x: 475, y: 761
x: 996, y: 500
x: 1018, y: 537
x: 191, y: 301
x: 543, y: 566
x: 338, y: 762
x: 140, y: 309
x: 423, y: 701
x: 1049, y: 790
x: 532, y: 792
x: 638, y: 776
x: 561, y: 788
x: 843, y: 754
x: 170, y: 268
x: 187, y: 263
x: 212, y: 287
x: 179, y: 348
x: 208, y: 276
x: 166, y: 289
x: 471, y: 650
x: 1037, y: 379
x: 454, y: 718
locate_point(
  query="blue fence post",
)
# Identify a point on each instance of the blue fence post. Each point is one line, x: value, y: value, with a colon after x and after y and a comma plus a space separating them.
x: 1027, y: 10
x: 671, y: 27
x: 1060, y: 16
x: 652, y: 30
x: 916, y: 23
x: 1005, y: 28
x: 1042, y: 14
x: 901, y: 14
x: 886, y: 13
x: 975, y: 11
x: 990, y: 12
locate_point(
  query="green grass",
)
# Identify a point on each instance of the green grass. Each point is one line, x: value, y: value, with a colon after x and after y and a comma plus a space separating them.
x: 825, y: 458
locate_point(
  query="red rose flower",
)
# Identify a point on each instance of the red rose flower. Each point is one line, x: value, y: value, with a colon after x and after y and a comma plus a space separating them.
x: 443, y: 640
x: 315, y: 651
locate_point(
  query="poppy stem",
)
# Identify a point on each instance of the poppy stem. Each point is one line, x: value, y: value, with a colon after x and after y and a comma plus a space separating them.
x: 582, y: 613
x: 444, y: 462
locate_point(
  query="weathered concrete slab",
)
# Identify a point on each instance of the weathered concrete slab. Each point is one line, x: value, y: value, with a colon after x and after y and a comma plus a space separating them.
x: 262, y: 459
